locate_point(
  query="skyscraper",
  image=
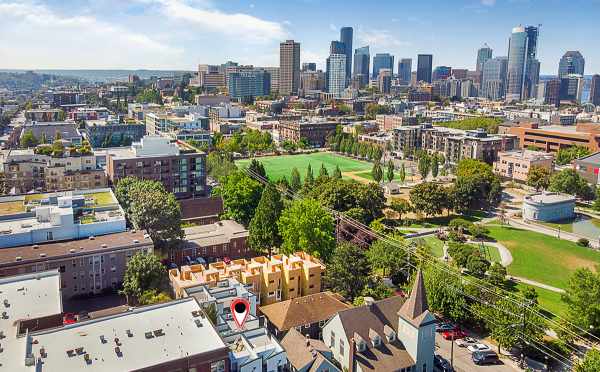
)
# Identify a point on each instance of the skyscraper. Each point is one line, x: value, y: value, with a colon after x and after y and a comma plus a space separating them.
x: 532, y: 65
x: 362, y: 60
x: 289, y: 67
x: 346, y: 38
x: 517, y: 56
x: 337, y: 47
x: 404, y: 70
x: 552, y: 92
x: 382, y: 60
x: 336, y: 74
x: 595, y: 90
x: 493, y: 81
x: 483, y: 54
x: 424, y: 66
x: 441, y: 73
x: 309, y: 66
x: 384, y: 80
x: 572, y: 62
x: 246, y: 85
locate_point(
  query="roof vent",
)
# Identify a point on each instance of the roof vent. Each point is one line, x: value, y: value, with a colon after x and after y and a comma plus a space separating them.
x: 198, y: 323
x: 35, y: 246
x: 42, y: 254
x: 159, y: 332
x: 102, y: 339
x: 133, y: 231
x: 6, y: 304
x: 104, y: 245
x: 129, y: 333
x: 149, y: 335
x: 72, y: 250
x: 92, y: 237
x: 18, y: 258
x: 135, y: 241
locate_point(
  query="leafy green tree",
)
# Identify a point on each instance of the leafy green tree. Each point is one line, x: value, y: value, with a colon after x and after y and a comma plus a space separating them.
x: 582, y: 297
x: 305, y: 225
x: 337, y: 173
x: 476, y: 186
x: 530, y: 294
x: 220, y: 165
x: 377, y: 172
x: 295, y: 182
x: 153, y: 296
x: 122, y: 191
x: 348, y: 271
x: 429, y: 198
x: 477, y: 264
x: 490, y: 124
x: 570, y: 182
x: 591, y: 362
x: 374, y: 109
x: 256, y: 167
x: 566, y: 155
x: 390, y: 171
x: 310, y: 178
x: 28, y: 139
x: 424, y: 164
x: 497, y: 274
x: 402, y: 174
x: 263, y: 231
x: 375, y: 289
x: 157, y: 212
x: 434, y: 166
x: 387, y: 258
x: 444, y: 292
x: 538, y: 177
x: 400, y: 206
x: 241, y: 195
x: 143, y: 272
x: 323, y: 171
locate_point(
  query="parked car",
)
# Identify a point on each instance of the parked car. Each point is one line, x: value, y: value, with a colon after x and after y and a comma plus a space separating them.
x: 188, y: 260
x: 200, y: 261
x: 442, y: 327
x: 453, y: 334
x: 227, y: 260
x: 478, y: 347
x: 441, y: 364
x: 465, y: 342
x: 172, y: 265
x: 69, y: 318
x: 485, y: 357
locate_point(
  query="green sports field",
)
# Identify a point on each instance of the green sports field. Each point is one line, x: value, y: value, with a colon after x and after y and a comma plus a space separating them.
x: 279, y: 166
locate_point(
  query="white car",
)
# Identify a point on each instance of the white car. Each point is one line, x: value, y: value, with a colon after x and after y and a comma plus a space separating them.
x: 464, y: 342
x: 478, y: 347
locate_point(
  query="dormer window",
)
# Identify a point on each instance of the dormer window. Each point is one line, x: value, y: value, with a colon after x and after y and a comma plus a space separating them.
x: 376, y: 341
x: 361, y: 346
x: 391, y: 337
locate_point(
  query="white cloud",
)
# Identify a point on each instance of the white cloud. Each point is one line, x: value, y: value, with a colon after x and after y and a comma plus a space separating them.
x: 43, y: 38
x: 239, y: 25
x: 380, y: 39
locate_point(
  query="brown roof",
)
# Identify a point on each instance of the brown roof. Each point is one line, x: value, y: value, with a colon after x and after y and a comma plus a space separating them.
x: 47, y: 251
x: 362, y: 319
x: 201, y: 207
x: 387, y: 357
x: 415, y: 309
x: 302, y: 351
x: 303, y: 310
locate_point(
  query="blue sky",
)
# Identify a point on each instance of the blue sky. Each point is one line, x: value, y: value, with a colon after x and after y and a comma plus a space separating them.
x: 179, y: 34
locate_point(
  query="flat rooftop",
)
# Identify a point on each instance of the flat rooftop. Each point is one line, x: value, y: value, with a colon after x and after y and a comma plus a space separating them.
x: 146, y: 336
x: 217, y: 233
x: 549, y: 198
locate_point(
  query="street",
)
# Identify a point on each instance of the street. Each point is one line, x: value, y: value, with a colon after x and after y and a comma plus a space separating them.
x: 462, y: 358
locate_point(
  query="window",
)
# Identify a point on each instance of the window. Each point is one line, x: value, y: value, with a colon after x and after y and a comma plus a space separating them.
x: 217, y: 366
x: 341, y: 347
x: 271, y: 294
x: 74, y: 263
x: 62, y: 269
x: 332, y: 342
x: 424, y: 369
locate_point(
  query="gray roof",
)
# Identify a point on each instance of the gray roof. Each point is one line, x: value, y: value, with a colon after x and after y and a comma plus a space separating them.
x: 66, y: 130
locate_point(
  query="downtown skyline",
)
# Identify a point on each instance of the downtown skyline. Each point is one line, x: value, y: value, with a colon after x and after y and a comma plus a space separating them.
x: 179, y: 34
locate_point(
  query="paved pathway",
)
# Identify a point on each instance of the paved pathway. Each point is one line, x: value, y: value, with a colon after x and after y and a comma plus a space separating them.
x: 550, y: 232
x: 505, y: 256
x: 536, y: 284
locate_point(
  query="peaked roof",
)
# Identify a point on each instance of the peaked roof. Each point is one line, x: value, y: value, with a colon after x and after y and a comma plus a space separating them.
x: 415, y: 309
x: 304, y: 352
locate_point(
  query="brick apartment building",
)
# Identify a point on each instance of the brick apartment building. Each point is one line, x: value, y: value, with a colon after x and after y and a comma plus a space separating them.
x: 515, y: 165
x: 551, y: 138
x: 225, y: 238
x: 86, y: 266
x: 315, y: 132
x: 180, y: 169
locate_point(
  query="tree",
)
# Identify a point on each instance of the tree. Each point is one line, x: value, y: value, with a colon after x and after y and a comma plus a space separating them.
x: 28, y: 139
x: 429, y: 198
x: 591, y: 362
x: 477, y: 264
x: 157, y: 212
x: 295, y: 182
x: 310, y: 178
x: 337, y: 173
x: 582, y: 297
x: 143, y: 272
x: 566, y: 155
x: 387, y: 258
x: 122, y: 191
x: 220, y: 165
x: 402, y: 174
x: 570, y: 182
x: 323, y: 171
x: 376, y: 172
x: 497, y: 274
x: 434, y: 166
x: 476, y: 186
x: 241, y: 195
x: 424, y: 164
x: 263, y: 232
x: 256, y: 167
x: 305, y: 225
x: 444, y: 292
x: 401, y: 207
x: 348, y: 270
x: 538, y: 177
x: 153, y: 296
x: 390, y: 171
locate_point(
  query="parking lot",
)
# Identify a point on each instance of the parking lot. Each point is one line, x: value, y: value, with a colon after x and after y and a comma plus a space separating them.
x: 462, y: 358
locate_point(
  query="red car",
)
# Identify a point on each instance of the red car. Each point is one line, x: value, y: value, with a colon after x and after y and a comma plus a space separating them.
x: 453, y: 335
x: 69, y: 318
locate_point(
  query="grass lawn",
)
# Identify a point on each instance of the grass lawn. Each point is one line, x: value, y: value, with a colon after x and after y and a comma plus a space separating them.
x: 11, y: 207
x: 543, y: 258
x: 279, y: 166
x: 445, y: 220
x: 367, y: 175
x: 436, y: 246
x: 491, y: 252
x: 101, y: 198
x: 549, y: 300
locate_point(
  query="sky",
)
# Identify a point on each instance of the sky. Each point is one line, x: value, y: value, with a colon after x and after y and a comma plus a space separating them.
x: 180, y: 34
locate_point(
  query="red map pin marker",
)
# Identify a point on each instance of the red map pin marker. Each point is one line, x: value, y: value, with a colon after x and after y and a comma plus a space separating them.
x: 240, y: 308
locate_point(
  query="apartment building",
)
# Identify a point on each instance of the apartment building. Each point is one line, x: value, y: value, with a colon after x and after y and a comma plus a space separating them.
x: 181, y: 169
x: 515, y: 165
x: 106, y: 133
x: 381, y: 139
x: 390, y: 122
x: 29, y: 170
x: 551, y: 138
x: 172, y: 336
x: 39, y: 218
x: 86, y: 266
x: 280, y: 277
x: 588, y: 167
x: 44, y: 115
x: 406, y: 138
x: 47, y: 132
x: 225, y: 238
x: 315, y: 132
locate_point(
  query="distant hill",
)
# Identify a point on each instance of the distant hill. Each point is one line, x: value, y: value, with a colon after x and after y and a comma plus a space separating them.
x: 103, y: 76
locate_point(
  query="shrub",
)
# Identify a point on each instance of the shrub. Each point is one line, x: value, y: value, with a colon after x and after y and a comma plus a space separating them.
x: 583, y: 242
